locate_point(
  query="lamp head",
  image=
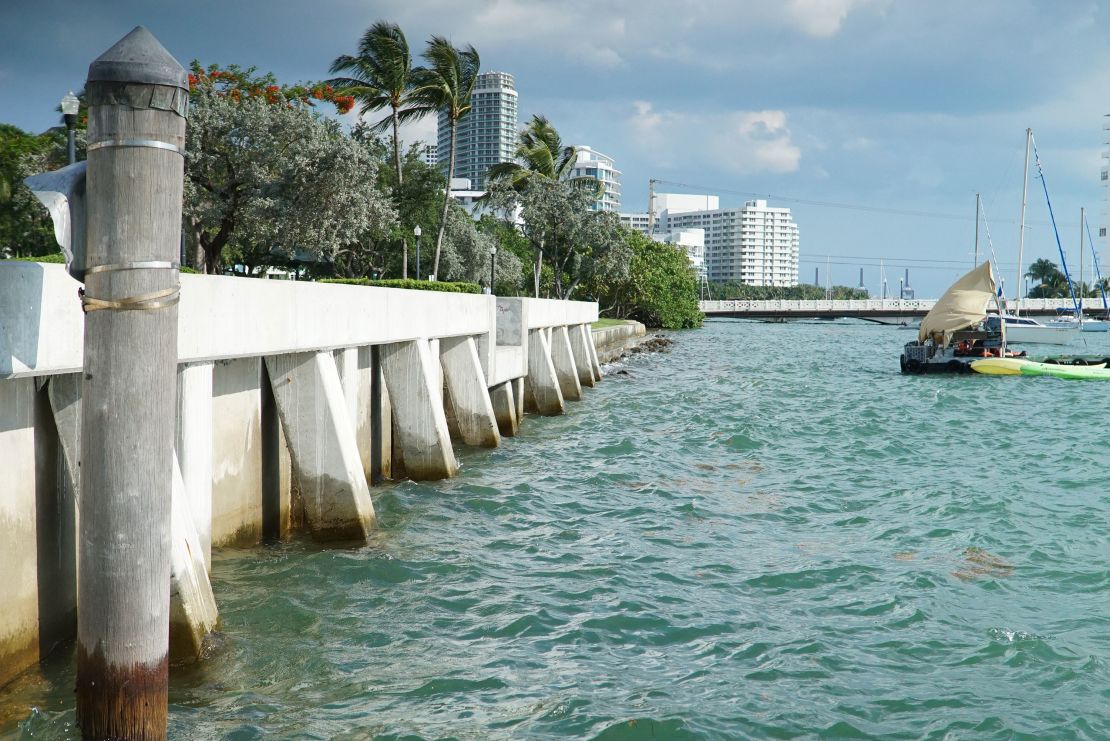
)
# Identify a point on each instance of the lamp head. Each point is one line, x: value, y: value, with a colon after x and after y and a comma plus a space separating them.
x: 416, y: 231
x: 70, y: 104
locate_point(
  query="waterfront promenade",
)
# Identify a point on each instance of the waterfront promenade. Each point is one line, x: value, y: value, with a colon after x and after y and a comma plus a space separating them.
x: 292, y: 400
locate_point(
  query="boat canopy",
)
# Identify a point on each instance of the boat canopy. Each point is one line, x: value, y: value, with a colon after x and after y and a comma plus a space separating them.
x: 963, y: 305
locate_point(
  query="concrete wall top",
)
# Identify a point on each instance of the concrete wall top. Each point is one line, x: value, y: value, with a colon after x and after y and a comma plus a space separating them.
x: 549, y: 312
x: 42, y: 327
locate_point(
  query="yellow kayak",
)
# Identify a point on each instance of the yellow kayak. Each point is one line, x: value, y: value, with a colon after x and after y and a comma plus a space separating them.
x: 1023, y: 367
x: 999, y: 366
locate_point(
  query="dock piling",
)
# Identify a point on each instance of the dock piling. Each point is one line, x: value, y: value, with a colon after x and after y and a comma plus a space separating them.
x: 138, y: 97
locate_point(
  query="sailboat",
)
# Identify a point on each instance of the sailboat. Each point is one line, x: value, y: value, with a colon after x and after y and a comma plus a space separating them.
x: 1023, y: 329
x: 957, y: 330
x: 1075, y: 317
x: 1100, y: 324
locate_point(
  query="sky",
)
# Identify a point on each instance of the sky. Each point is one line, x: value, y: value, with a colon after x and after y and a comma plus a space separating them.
x: 875, y: 121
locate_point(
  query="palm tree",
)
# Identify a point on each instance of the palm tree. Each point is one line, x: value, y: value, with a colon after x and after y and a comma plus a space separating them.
x: 540, y: 154
x: 380, y: 76
x: 446, y: 85
x: 541, y: 157
x: 1044, y: 272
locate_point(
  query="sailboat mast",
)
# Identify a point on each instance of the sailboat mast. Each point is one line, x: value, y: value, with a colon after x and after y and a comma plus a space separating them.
x: 977, y: 209
x: 1082, y: 220
x: 1021, y: 230
x: 1098, y: 273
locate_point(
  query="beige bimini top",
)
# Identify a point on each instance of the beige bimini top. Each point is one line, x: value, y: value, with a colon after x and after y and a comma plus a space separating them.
x: 963, y: 305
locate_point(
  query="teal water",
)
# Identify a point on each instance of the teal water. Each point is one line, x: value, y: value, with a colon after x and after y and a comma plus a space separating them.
x: 766, y: 533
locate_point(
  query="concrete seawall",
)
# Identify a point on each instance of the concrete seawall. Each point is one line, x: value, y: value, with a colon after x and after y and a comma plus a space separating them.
x: 612, y: 341
x: 293, y: 399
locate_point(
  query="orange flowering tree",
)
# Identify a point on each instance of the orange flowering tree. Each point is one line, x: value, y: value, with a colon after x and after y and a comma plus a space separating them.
x: 269, y: 180
x: 236, y: 84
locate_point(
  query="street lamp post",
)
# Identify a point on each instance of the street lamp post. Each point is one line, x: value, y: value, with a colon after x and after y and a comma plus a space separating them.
x: 416, y: 233
x: 70, y: 106
x: 492, y: 267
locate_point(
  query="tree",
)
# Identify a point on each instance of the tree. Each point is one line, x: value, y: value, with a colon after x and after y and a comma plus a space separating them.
x: 800, y: 292
x: 25, y: 227
x: 1047, y: 276
x: 379, y: 76
x: 466, y: 254
x: 268, y: 179
x: 578, y: 243
x: 659, y: 288
x: 446, y: 85
x: 541, y: 159
x: 540, y: 154
x: 509, y: 240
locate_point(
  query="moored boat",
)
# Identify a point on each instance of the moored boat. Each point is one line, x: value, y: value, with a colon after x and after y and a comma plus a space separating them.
x: 956, y: 332
x: 1024, y: 330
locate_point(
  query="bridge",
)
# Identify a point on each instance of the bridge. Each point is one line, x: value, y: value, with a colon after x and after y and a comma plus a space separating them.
x: 881, y: 311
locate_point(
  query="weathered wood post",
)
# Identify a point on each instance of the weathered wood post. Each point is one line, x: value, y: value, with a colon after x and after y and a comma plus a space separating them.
x: 138, y: 98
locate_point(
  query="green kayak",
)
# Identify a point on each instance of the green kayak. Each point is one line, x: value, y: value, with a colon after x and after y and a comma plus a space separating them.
x: 1071, y: 372
x: 1022, y: 367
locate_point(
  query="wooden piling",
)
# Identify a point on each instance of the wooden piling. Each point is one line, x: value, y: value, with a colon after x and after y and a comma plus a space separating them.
x: 137, y: 95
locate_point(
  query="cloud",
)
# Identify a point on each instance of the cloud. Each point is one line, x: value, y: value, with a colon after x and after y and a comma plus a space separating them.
x: 424, y: 130
x: 823, y: 18
x: 734, y: 142
x: 554, y: 28
x: 857, y: 144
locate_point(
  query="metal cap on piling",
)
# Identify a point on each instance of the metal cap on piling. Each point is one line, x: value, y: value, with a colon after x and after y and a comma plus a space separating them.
x: 138, y: 58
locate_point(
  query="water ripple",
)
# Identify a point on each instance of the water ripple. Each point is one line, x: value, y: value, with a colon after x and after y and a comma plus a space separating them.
x: 767, y: 533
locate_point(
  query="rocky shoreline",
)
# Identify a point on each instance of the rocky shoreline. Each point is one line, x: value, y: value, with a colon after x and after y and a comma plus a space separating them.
x: 653, y: 343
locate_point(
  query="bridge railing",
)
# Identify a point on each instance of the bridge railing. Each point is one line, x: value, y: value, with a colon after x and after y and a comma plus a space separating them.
x: 785, y: 305
x: 890, y: 305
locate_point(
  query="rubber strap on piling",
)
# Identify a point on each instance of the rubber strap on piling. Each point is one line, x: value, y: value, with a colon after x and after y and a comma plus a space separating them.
x: 142, y: 302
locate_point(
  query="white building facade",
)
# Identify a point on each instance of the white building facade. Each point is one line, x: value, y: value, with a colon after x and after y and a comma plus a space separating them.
x: 692, y: 242
x: 755, y: 244
x: 487, y: 134
x: 593, y: 164
x: 1104, y: 174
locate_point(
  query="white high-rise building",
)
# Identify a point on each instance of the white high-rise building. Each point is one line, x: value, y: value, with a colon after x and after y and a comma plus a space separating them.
x: 487, y: 134
x: 1105, y: 175
x: 755, y: 244
x: 594, y: 164
x: 692, y: 242
x: 429, y: 155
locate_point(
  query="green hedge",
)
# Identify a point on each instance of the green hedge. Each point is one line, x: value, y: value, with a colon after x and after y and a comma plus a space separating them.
x: 55, y: 258
x: 60, y: 259
x: 417, y: 285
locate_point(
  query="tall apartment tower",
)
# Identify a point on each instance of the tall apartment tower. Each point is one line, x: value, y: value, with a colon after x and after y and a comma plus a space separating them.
x: 1104, y: 174
x: 593, y: 164
x: 487, y: 134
